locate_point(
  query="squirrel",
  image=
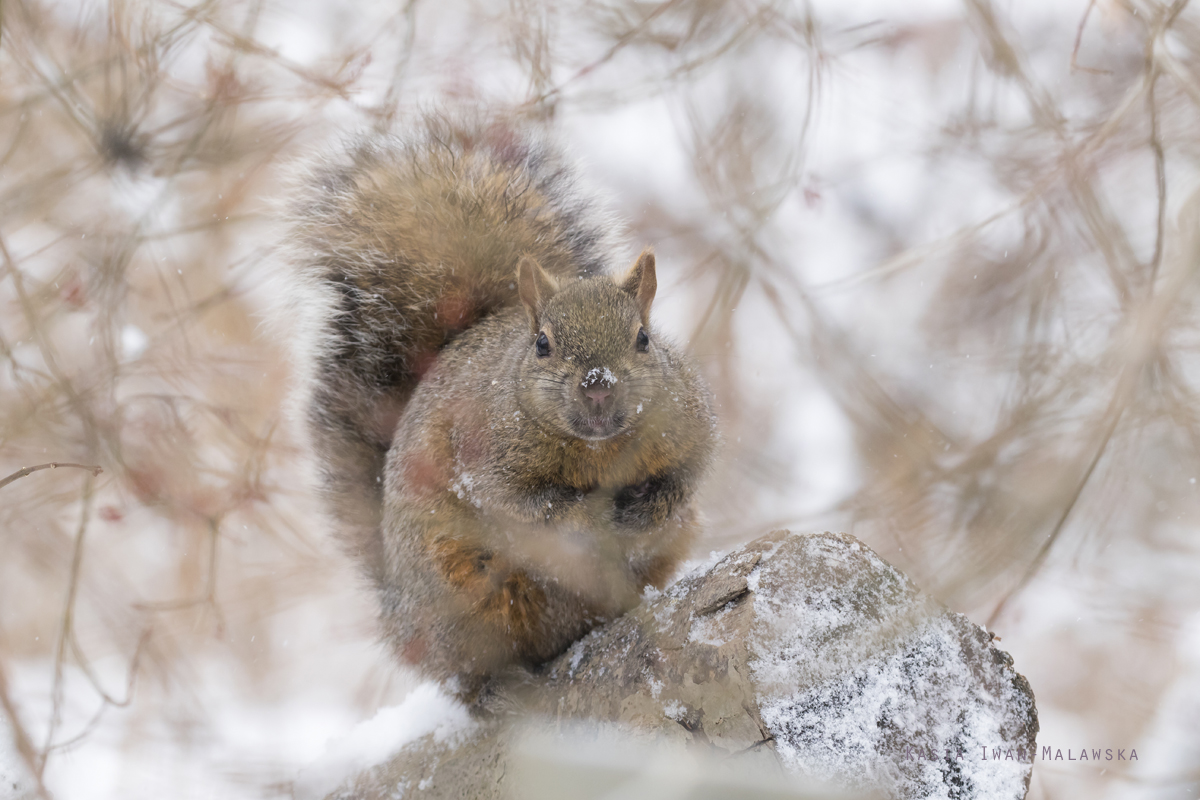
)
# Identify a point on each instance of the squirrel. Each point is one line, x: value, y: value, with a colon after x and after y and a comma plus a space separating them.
x: 509, y: 448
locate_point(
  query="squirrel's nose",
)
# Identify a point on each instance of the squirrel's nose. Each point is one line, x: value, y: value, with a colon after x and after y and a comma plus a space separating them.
x: 597, y: 394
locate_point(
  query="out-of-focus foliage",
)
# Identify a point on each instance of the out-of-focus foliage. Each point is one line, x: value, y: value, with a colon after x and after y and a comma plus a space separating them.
x: 939, y: 261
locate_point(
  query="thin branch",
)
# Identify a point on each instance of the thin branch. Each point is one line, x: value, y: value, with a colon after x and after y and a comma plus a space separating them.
x: 106, y: 699
x: 68, y: 621
x: 1156, y: 146
x: 623, y: 41
x: 1160, y: 179
x: 23, y: 471
x: 1115, y: 413
x: 1075, y: 65
x: 209, y: 598
x: 131, y: 674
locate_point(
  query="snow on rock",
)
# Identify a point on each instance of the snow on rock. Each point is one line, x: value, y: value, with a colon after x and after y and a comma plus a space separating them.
x: 795, y: 660
x: 427, y: 711
x: 865, y: 681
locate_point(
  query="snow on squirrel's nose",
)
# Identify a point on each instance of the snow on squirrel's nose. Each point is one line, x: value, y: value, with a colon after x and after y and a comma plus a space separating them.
x: 601, y: 376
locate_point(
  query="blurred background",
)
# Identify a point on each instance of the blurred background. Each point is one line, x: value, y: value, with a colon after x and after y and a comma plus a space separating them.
x: 938, y: 260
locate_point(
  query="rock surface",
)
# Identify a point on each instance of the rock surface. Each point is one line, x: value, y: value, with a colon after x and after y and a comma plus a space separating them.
x: 794, y: 659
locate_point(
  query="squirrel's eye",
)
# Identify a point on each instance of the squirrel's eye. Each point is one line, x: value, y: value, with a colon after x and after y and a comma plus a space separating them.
x: 643, y: 341
x: 543, y: 345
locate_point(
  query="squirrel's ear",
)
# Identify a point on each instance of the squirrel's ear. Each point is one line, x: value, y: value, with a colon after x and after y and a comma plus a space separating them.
x: 535, y: 286
x: 641, y: 282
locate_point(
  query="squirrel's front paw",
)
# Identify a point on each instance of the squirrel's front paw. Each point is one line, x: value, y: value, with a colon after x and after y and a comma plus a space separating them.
x: 645, y: 503
x: 636, y: 491
x: 558, y: 504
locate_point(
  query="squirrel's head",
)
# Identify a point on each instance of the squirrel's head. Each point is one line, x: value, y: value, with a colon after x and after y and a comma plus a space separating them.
x: 592, y: 362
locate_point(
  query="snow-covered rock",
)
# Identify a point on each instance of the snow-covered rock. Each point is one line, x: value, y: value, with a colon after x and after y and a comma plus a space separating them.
x: 794, y: 661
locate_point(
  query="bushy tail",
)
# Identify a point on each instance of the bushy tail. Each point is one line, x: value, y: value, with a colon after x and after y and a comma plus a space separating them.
x: 399, y: 244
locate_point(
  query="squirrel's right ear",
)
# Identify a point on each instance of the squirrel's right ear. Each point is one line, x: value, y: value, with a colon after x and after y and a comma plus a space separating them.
x: 535, y: 286
x: 641, y: 282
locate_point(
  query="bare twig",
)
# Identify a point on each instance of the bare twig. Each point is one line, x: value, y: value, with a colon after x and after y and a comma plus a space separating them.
x: 1113, y: 415
x: 209, y: 598
x: 106, y: 700
x: 1156, y: 146
x: 1075, y: 65
x: 622, y: 42
x: 23, y: 471
x: 67, y: 625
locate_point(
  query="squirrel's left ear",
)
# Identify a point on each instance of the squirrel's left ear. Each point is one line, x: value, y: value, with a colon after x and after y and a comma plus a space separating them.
x: 641, y: 282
